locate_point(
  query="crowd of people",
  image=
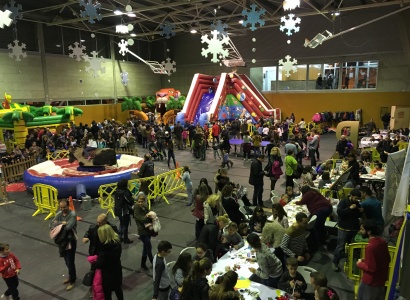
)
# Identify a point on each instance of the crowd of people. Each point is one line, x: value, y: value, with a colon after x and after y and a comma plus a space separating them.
x: 221, y: 224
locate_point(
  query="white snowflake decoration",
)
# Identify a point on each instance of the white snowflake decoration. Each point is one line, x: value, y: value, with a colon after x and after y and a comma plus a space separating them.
x: 123, y: 47
x: 95, y: 64
x: 290, y: 24
x: 215, y: 46
x: 167, y: 29
x: 17, y: 50
x: 15, y: 11
x: 220, y: 27
x: 77, y: 51
x: 169, y: 66
x: 124, y: 78
x: 5, y: 18
x: 289, y: 65
x: 253, y: 17
x: 90, y: 10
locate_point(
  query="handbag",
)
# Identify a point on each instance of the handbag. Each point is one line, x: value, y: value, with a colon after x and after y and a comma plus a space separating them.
x: 88, y: 278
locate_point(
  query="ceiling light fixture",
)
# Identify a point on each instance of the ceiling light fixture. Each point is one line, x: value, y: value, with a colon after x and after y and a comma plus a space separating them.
x: 193, y: 30
x: 131, y: 15
x: 82, y: 41
x: 240, y: 21
x: 122, y: 28
x: 335, y: 13
x: 290, y: 4
x: 133, y: 35
x: 117, y: 11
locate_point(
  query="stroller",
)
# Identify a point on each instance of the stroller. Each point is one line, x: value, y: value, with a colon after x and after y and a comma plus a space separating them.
x: 154, y: 152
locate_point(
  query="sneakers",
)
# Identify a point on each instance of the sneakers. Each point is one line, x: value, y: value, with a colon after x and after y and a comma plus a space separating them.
x: 66, y: 281
x: 69, y: 287
x: 335, y: 267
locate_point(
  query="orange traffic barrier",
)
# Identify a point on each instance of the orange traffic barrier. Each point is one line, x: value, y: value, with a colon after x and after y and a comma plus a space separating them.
x: 71, y: 206
x: 177, y: 172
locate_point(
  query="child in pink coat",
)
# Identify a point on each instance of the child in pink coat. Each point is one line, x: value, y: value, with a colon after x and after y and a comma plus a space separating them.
x: 97, y: 287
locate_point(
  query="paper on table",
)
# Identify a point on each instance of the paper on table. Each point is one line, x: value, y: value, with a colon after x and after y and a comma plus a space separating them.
x: 243, y: 284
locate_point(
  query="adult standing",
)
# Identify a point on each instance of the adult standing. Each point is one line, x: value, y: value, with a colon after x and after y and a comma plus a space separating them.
x: 370, y: 127
x: 354, y: 170
x: 216, y: 130
x: 91, y: 235
x: 140, y: 212
x: 270, y: 267
x: 109, y: 262
x: 341, y: 146
x: 178, y: 134
x: 170, y: 147
x: 302, y: 125
x: 375, y: 264
x: 273, y: 168
x: 123, y: 208
x: 257, y: 141
x: 68, y: 221
x: 384, y: 148
x: 291, y: 166
x: 372, y: 206
x: 256, y: 179
x: 146, y: 170
x: 349, y: 212
x: 318, y: 206
x: 200, y: 196
x: 313, y: 143
x: 211, y: 233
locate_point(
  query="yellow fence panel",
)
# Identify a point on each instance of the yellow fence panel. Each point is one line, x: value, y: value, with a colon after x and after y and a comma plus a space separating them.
x: 169, y: 183
x: 58, y: 154
x: 355, y: 251
x: 46, y: 200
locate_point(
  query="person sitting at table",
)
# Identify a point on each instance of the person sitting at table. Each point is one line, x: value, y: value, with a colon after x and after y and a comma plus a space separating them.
x: 372, y: 206
x: 211, y: 233
x: 270, y: 267
x: 292, y: 281
x: 366, y: 156
x: 231, y: 206
x: 279, y: 215
x: 182, y: 268
x: 272, y: 235
x: 257, y: 220
x: 288, y: 196
x: 326, y: 166
x: 231, y: 240
x: 378, y: 167
x: 307, y: 177
x: 203, y: 251
x: 243, y: 230
x: 324, y: 180
x: 224, y: 285
x: 318, y: 206
x: 362, y: 168
x: 196, y: 285
x: 294, y: 240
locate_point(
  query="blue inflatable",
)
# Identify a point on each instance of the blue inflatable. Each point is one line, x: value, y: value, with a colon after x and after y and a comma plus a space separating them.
x: 180, y: 118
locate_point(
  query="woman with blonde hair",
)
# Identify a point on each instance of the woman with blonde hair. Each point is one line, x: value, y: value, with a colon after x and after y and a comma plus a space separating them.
x: 273, y: 168
x: 211, y: 233
x: 109, y: 262
x: 213, y: 208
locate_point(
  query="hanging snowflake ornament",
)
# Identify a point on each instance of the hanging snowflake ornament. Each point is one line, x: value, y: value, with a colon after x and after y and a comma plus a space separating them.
x: 215, y: 46
x: 95, y: 64
x: 169, y: 66
x: 77, y: 51
x: 15, y: 11
x: 220, y: 27
x: 123, y: 47
x: 290, y: 24
x: 124, y: 78
x: 167, y: 29
x: 253, y: 17
x: 17, y: 50
x: 5, y: 19
x: 289, y: 65
x: 90, y: 10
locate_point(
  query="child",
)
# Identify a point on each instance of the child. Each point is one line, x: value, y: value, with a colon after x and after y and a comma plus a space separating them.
x: 186, y: 177
x: 258, y: 220
x: 162, y: 281
x: 9, y: 268
x: 203, y: 251
x: 324, y: 293
x: 288, y: 196
x: 232, y: 239
x: 215, y: 146
x: 184, y: 138
x: 226, y: 161
x: 243, y: 230
x: 292, y: 281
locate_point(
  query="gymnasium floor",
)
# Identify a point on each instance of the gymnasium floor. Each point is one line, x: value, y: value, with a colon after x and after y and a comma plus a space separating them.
x: 43, y: 270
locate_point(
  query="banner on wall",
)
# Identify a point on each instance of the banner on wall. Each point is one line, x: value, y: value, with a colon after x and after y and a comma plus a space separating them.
x: 402, y: 190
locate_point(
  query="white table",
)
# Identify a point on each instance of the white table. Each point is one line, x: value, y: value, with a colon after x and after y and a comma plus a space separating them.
x: 238, y: 258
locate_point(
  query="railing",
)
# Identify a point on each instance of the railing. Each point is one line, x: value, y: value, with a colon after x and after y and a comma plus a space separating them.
x: 59, y: 154
x: 15, y: 170
x: 157, y: 186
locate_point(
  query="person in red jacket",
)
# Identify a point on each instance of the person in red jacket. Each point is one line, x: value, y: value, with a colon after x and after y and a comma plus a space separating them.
x: 375, y: 264
x: 216, y: 130
x: 9, y: 268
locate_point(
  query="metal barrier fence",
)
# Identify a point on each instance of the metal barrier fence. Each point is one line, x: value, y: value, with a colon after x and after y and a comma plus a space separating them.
x: 59, y: 154
x: 46, y: 200
x: 157, y: 186
x: 355, y: 251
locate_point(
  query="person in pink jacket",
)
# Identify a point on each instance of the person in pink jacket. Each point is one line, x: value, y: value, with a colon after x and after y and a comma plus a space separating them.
x: 97, y: 287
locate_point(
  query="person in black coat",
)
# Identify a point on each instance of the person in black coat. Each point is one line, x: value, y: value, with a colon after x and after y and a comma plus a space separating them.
x: 231, y: 206
x: 146, y: 170
x: 354, y: 177
x: 384, y: 147
x: 123, y: 208
x: 256, y: 179
x: 211, y: 233
x: 341, y: 146
x: 109, y: 262
x: 91, y: 235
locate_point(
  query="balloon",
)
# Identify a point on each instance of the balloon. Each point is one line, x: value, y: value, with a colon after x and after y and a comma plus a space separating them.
x: 253, y: 114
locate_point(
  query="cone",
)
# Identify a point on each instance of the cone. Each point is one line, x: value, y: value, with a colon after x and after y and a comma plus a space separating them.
x: 178, y: 173
x: 71, y: 206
